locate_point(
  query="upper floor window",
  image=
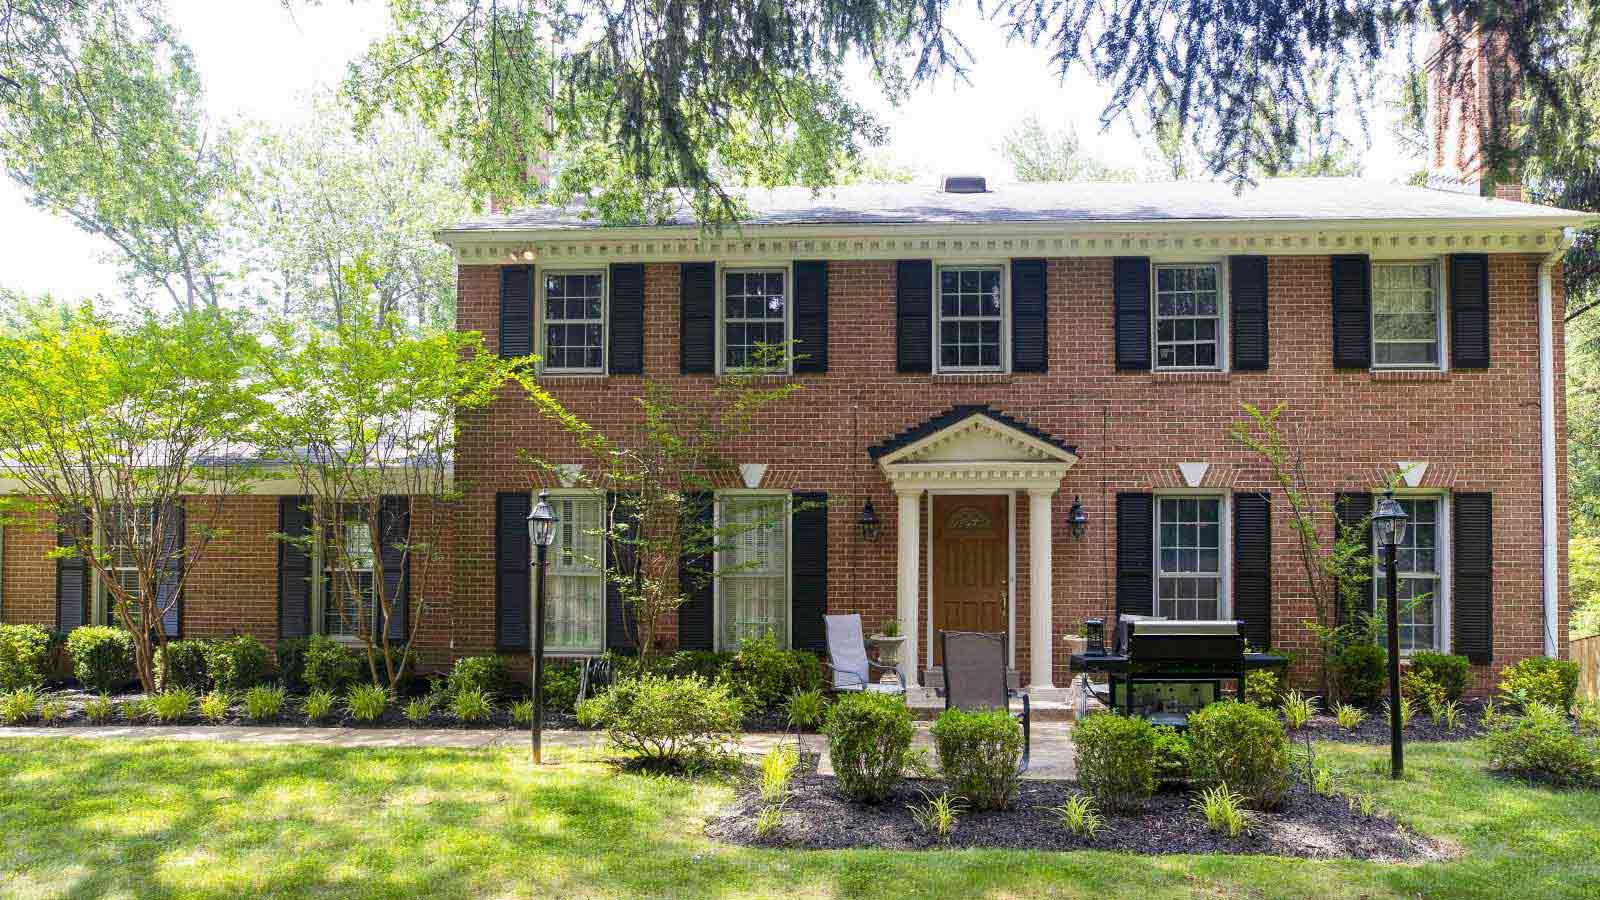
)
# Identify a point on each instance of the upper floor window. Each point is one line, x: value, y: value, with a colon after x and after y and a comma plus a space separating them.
x: 574, y: 322
x: 1189, y: 558
x: 575, y: 610
x: 1419, y: 583
x: 753, y: 569
x: 971, y: 319
x: 755, y: 317
x: 1406, y: 325
x: 1188, y: 332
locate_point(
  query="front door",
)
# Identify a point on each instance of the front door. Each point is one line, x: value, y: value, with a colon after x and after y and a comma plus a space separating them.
x: 971, y: 560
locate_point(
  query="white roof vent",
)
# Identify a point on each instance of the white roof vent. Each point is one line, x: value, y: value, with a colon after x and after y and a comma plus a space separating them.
x: 964, y: 184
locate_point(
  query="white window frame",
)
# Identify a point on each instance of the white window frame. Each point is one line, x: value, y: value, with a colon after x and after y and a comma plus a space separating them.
x: 1224, y: 312
x: 540, y: 338
x: 100, y: 602
x: 1444, y: 560
x: 553, y: 560
x: 1224, y: 550
x: 1003, y: 266
x: 1442, y: 304
x: 785, y: 640
x: 786, y: 269
x: 319, y: 597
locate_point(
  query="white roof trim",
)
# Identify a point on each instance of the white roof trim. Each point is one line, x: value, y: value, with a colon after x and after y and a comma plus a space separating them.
x: 1029, y: 449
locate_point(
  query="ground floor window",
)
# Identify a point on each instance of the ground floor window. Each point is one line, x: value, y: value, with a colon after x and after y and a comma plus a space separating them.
x: 1419, y: 583
x: 575, y: 603
x: 1189, y: 558
x: 348, y: 596
x: 126, y: 533
x: 753, y: 569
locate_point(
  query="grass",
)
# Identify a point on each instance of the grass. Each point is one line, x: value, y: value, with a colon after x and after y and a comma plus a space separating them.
x: 124, y: 817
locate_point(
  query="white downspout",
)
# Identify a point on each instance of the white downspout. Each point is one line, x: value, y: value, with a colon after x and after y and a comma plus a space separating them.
x: 1547, y: 443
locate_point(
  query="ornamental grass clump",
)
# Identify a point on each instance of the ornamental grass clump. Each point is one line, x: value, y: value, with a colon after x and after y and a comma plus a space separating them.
x: 418, y: 710
x: 172, y: 705
x: 522, y: 712
x: 1349, y: 716
x: 318, y: 705
x: 1224, y: 810
x: 19, y: 706
x: 806, y: 709
x: 1241, y: 746
x: 214, y: 706
x: 869, y: 735
x: 52, y: 710
x: 472, y: 705
x: 979, y: 754
x: 937, y: 815
x: 1116, y: 759
x: 99, y: 709
x: 666, y: 722
x: 1079, y: 816
x: 367, y: 702
x: 1298, y: 709
x: 777, y: 770
x: 263, y: 702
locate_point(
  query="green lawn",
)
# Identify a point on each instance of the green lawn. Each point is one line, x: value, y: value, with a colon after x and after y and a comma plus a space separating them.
x: 117, y: 818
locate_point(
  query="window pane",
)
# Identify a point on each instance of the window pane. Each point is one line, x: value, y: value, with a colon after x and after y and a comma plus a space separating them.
x: 1188, y: 316
x: 753, y: 315
x: 1405, y: 315
x: 1416, y: 563
x: 574, y: 317
x: 1189, y: 557
x: 753, y: 569
x: 971, y: 310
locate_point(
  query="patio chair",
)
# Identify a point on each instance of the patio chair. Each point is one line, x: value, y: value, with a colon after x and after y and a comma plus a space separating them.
x: 975, y: 678
x: 847, y: 657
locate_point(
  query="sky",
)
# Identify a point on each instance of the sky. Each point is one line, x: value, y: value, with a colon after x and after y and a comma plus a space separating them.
x: 261, y: 61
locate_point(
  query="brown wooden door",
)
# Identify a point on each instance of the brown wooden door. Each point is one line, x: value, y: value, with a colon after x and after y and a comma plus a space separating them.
x: 971, y: 560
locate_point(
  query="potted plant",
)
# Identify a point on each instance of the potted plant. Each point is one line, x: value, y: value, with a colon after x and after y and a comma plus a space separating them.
x: 1079, y: 642
x: 889, y: 640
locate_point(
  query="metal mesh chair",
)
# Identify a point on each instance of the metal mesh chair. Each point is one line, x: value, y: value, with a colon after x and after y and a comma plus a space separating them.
x: 847, y: 657
x: 975, y: 677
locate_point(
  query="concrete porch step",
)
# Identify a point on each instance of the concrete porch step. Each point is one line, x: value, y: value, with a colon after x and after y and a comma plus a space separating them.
x: 927, y: 706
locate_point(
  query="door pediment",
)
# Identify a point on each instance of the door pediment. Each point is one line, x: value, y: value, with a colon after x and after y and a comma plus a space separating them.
x: 977, y: 447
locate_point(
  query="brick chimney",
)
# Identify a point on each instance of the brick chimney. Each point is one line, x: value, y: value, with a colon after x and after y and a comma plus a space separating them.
x: 1472, y: 80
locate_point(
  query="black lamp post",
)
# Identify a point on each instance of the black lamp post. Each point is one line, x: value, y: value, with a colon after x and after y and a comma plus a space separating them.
x: 541, y: 533
x: 1390, y: 524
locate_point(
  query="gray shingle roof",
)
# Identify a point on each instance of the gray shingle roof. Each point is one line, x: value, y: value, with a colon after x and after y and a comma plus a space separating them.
x: 1283, y: 199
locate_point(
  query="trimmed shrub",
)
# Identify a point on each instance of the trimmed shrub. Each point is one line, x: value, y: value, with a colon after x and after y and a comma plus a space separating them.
x: 182, y: 666
x: 1540, y: 679
x: 1538, y: 743
x: 1263, y: 687
x: 708, y: 664
x: 1173, y: 765
x: 869, y: 735
x: 24, y: 656
x: 1450, y: 672
x: 1116, y: 757
x: 102, y: 657
x: 1421, y: 688
x: 1358, y: 673
x: 561, y: 687
x: 329, y: 666
x: 291, y: 654
x: 485, y: 674
x: 666, y: 721
x: 1242, y: 746
x: 237, y: 663
x: 768, y: 675
x: 979, y: 753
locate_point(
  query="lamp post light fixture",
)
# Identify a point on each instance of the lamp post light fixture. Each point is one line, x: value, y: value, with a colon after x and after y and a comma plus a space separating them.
x: 1389, y: 525
x: 1077, y: 519
x: 868, y: 523
x: 541, y: 533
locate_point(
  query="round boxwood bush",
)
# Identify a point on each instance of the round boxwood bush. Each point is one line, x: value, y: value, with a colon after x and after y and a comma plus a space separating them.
x: 1359, y: 672
x: 869, y: 735
x: 102, y: 657
x: 1242, y: 746
x: 24, y: 656
x: 767, y: 675
x: 1540, y: 744
x: 1540, y: 679
x: 1172, y: 756
x: 1450, y: 672
x: 486, y: 674
x: 237, y: 663
x: 329, y: 666
x: 183, y: 666
x: 666, y: 722
x: 979, y: 753
x: 1116, y: 759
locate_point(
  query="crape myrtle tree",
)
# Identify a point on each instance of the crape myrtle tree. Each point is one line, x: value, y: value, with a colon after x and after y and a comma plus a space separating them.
x: 126, y: 434
x: 363, y: 412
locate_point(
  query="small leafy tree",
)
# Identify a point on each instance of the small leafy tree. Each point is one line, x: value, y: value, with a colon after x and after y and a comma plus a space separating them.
x: 365, y: 414
x: 109, y: 424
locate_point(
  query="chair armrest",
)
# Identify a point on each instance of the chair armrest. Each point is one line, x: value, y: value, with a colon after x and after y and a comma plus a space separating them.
x: 850, y: 675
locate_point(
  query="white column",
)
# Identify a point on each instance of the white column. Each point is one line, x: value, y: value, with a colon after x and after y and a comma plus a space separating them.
x: 1041, y: 616
x: 909, y: 529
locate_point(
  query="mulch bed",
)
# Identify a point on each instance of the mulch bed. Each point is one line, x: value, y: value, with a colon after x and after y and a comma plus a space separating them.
x: 1375, y: 728
x: 1308, y: 826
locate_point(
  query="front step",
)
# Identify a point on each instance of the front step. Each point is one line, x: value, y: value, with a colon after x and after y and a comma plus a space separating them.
x: 927, y: 706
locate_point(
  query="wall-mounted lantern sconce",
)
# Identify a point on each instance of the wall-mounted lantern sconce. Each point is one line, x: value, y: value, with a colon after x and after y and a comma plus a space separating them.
x: 868, y: 523
x: 1077, y: 519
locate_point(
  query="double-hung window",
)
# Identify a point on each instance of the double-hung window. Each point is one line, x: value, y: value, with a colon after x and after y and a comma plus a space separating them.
x: 127, y: 531
x: 575, y: 608
x: 1418, y: 568
x: 574, y: 322
x: 1189, y: 558
x: 753, y: 569
x: 348, y: 592
x: 1188, y: 317
x: 1406, y: 325
x: 971, y: 320
x: 755, y: 319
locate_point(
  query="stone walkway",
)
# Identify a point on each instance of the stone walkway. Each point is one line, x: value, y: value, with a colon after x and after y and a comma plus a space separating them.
x: 1052, y: 754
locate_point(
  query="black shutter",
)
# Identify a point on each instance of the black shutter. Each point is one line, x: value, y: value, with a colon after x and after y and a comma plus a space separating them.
x: 1130, y: 293
x: 697, y: 322
x: 913, y: 316
x: 625, y: 355
x: 511, y: 572
x: 810, y: 561
x: 169, y: 600
x: 619, y: 619
x: 72, y: 575
x: 1351, y: 510
x: 1472, y: 587
x: 811, y: 317
x: 1469, y: 311
x: 516, y: 311
x: 1030, y: 332
x: 1252, y: 566
x: 695, y: 579
x: 394, y: 523
x: 1352, y: 312
x: 1247, y: 297
x: 294, y: 568
x: 1135, y: 554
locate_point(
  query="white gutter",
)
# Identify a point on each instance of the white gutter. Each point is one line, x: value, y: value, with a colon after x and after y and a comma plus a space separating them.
x: 1547, y: 443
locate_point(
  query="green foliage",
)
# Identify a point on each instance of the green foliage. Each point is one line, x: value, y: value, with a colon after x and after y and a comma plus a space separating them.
x: 471, y: 705
x: 1583, y: 549
x: 1224, y: 810
x: 1173, y: 765
x: 366, y: 702
x: 869, y: 735
x: 1360, y: 672
x: 769, y: 820
x: 183, y: 665
x: 806, y: 709
x: 1322, y: 780
x: 979, y: 753
x: 1587, y: 715
x: 19, y: 706
x: 1421, y: 688
x: 102, y: 657
x: 1263, y: 687
x: 1407, y: 708
x: 1241, y: 746
x: 485, y: 674
x: 1349, y: 717
x: 777, y: 769
x: 418, y: 710
x: 172, y: 705
x: 1450, y: 672
x: 522, y: 712
x: 291, y: 654
x: 329, y: 666
x: 1079, y: 816
x: 24, y: 656
x: 937, y: 815
x: 561, y: 687
x: 99, y: 709
x: 1298, y: 709
x: 319, y: 703
x: 1447, y: 714
x: 214, y: 706
x: 52, y: 710
x: 772, y: 674
x: 1540, y: 679
x: 708, y: 664
x: 237, y: 663
x: 1037, y: 153
x: 264, y: 701
x: 666, y: 721
x: 1539, y: 743
x: 1116, y: 759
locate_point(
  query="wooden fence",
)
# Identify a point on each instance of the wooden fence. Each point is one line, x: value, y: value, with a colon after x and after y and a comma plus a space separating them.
x: 1586, y: 653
